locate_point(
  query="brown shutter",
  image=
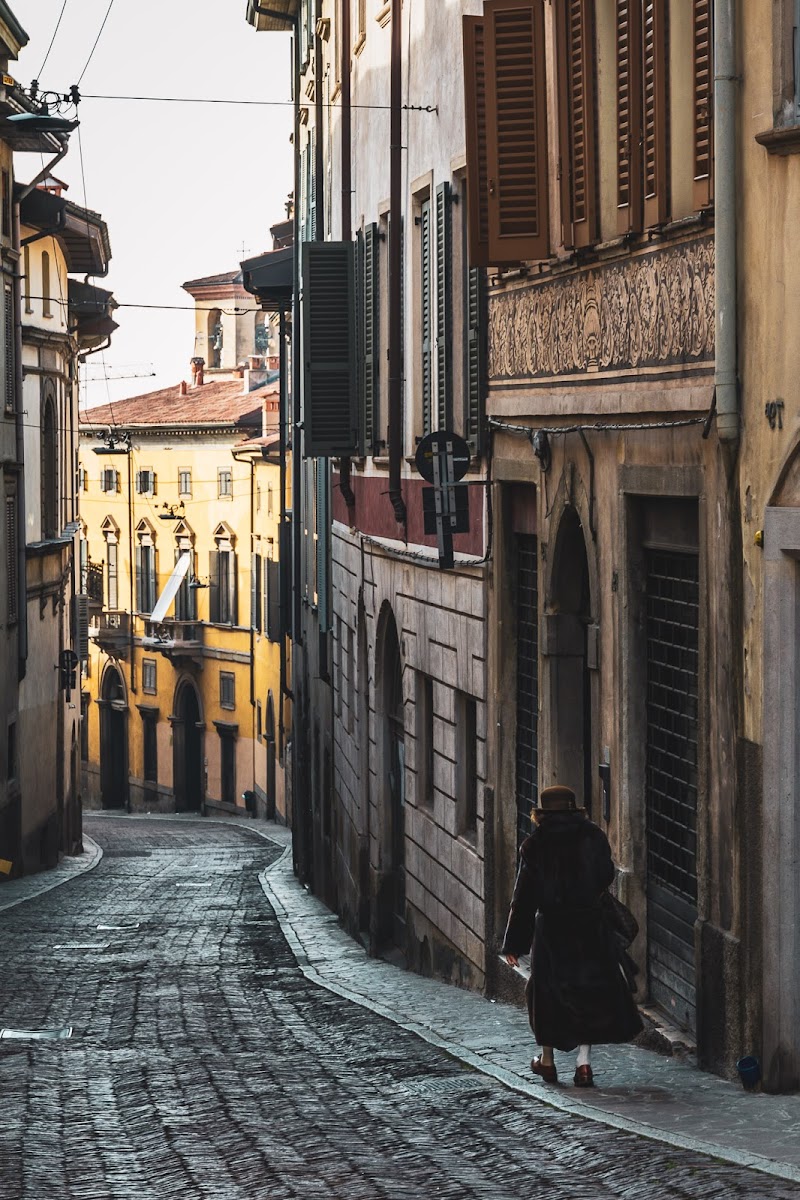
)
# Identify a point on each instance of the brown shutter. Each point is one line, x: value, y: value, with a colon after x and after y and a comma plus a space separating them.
x: 655, y: 118
x: 629, y: 116
x: 576, y: 103
x: 475, y: 117
x: 516, y: 124
x: 703, y: 105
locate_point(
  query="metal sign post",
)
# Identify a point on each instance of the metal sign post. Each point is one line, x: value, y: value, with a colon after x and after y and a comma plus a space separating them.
x: 443, y: 459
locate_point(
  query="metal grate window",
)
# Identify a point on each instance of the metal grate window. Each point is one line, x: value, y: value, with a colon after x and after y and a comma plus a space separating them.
x: 672, y: 678
x: 527, y: 681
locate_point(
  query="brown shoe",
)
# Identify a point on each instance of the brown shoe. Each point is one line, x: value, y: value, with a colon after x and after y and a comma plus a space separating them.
x: 548, y: 1072
x: 583, y: 1077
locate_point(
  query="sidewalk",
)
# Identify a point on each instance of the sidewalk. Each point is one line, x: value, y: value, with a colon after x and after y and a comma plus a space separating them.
x: 668, y: 1099
x: 16, y: 891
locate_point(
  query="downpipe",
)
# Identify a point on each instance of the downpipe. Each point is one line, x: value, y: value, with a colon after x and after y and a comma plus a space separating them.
x: 725, y: 81
x: 395, y: 265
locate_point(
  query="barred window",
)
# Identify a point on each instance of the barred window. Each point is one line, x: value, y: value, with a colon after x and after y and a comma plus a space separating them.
x: 227, y: 689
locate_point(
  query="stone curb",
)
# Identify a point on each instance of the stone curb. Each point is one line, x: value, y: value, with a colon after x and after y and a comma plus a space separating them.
x: 31, y: 886
x: 290, y: 925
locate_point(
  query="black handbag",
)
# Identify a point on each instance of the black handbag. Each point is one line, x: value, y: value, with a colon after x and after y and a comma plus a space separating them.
x: 620, y: 918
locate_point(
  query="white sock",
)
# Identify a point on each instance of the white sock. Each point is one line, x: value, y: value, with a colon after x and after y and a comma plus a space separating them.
x: 584, y: 1054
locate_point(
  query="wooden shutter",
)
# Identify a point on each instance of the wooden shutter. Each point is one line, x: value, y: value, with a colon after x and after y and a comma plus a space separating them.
x: 576, y: 103
x: 9, y: 374
x: 330, y: 393
x: 312, y: 185
x: 477, y: 160
x: 273, y: 580
x: 371, y: 327
x: 444, y: 305
x: 12, y: 577
x: 141, y: 598
x: 476, y: 359
x: 516, y: 124
x: 233, y: 593
x: 426, y: 313
x: 323, y: 545
x: 255, y: 591
x: 655, y: 117
x: 80, y: 631
x: 629, y: 116
x: 703, y: 104
x: 213, y: 587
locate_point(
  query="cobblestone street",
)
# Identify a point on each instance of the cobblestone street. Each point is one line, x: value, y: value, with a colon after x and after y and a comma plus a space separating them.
x: 203, y: 1063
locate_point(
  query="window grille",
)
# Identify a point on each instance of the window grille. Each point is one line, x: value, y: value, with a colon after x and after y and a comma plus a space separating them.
x: 227, y: 689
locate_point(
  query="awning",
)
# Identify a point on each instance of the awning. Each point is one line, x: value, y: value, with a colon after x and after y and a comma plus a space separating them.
x: 267, y: 15
x: 83, y: 234
x: 171, y: 588
x: 269, y: 277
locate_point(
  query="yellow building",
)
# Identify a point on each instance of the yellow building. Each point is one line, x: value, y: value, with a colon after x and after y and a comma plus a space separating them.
x: 179, y: 513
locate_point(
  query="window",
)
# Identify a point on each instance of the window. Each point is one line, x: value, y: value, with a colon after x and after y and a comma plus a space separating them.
x: 149, y: 676
x: 227, y: 689
x: 575, y: 74
x: 259, y: 721
x: 146, y: 482
x: 467, y: 765
x: 146, y: 579
x: 12, y: 578
x: 222, y: 584
x: 255, y: 592
x: 111, y: 574
x: 84, y: 561
x: 7, y: 204
x: 186, y: 599
x: 82, y: 479
x: 185, y: 482
x: 49, y: 451
x: 150, y: 749
x: 46, y: 311
x: 225, y: 483
x: 642, y: 114
x: 109, y: 480
x: 273, y: 594
x: 85, y: 727
x: 424, y: 736
x: 368, y: 255
x: 227, y: 765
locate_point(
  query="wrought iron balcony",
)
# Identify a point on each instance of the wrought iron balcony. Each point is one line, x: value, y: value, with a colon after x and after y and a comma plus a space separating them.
x: 94, y: 584
x: 111, y: 631
x: 175, y: 639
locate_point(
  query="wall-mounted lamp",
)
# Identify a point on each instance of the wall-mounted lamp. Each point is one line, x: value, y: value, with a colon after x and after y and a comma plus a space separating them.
x: 172, y: 513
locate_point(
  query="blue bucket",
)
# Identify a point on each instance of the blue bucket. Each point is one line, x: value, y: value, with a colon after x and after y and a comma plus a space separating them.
x: 749, y: 1069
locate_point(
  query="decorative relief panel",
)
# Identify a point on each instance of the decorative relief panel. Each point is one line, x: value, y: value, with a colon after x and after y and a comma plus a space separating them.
x: 651, y: 313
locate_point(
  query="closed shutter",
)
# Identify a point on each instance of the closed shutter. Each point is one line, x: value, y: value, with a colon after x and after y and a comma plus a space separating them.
x: 330, y: 399
x: 265, y: 595
x: 371, y: 335
x: 113, y: 597
x: 655, y: 118
x: 80, y: 626
x: 576, y: 95
x: 703, y: 104
x: 426, y: 314
x: 9, y: 374
x: 213, y: 587
x: 516, y: 123
x: 285, y: 575
x: 12, y: 578
x: 477, y: 160
x: 312, y: 185
x: 255, y: 591
x: 629, y: 116
x: 303, y: 207
x: 273, y: 580
x: 141, y: 597
x: 476, y: 359
x: 444, y: 305
x: 323, y: 547
x: 233, y: 593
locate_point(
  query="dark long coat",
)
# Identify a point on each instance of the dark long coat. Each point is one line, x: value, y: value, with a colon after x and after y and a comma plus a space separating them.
x: 577, y: 993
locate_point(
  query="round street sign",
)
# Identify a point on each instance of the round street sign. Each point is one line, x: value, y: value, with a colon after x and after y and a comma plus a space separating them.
x: 435, y: 445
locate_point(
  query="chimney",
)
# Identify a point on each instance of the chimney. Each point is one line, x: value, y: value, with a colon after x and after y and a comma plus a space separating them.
x: 182, y: 390
x: 197, y: 371
x: 199, y: 379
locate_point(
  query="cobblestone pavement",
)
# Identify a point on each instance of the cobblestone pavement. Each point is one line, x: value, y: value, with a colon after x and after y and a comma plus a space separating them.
x: 204, y: 1063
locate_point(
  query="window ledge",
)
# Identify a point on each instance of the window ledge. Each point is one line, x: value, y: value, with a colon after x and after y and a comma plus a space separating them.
x: 384, y: 16
x: 780, y: 141
x: 359, y: 46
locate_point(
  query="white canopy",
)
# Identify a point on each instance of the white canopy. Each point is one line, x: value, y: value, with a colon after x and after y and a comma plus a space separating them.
x: 171, y: 588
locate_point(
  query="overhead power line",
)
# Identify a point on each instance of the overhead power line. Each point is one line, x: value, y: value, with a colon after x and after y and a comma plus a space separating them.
x: 53, y: 38
x: 423, y: 108
x: 96, y: 40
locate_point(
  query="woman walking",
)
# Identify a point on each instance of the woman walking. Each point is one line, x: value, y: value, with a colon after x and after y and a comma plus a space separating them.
x: 578, y: 994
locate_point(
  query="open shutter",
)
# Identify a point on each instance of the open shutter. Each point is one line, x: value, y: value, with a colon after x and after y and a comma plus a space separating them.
x: 476, y: 359
x: 141, y: 598
x: 655, y: 118
x: 323, y: 544
x: 516, y: 123
x: 426, y: 313
x: 330, y: 399
x: 255, y: 591
x: 477, y: 162
x: 213, y: 586
x: 312, y: 185
x: 303, y: 209
x: 629, y: 116
x: 80, y: 626
x: 444, y: 305
x: 233, y: 594
x: 371, y: 327
x: 576, y: 95
x: 703, y: 104
x: 273, y: 585
x: 12, y: 578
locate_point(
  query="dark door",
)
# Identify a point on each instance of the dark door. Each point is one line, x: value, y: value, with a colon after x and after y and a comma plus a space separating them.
x: 672, y: 630
x: 397, y: 793
x: 271, y: 761
x: 187, y: 751
x: 113, y: 743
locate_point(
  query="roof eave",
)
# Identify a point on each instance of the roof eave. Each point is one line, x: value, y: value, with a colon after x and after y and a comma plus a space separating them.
x: 267, y: 16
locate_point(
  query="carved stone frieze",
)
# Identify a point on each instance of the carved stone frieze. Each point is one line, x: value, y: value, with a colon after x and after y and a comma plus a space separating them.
x: 651, y: 312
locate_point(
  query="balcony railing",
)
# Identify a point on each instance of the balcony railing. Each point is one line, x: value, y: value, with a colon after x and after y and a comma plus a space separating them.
x: 173, y: 638
x: 94, y: 583
x: 111, y: 631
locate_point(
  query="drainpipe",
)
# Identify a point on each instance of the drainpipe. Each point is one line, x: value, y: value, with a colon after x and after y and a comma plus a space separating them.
x: 725, y: 80
x: 395, y: 267
x: 345, y: 470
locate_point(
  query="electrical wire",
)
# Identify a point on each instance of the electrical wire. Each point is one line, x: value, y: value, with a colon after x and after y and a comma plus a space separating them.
x: 421, y: 108
x: 53, y: 38
x: 601, y: 426
x: 96, y: 40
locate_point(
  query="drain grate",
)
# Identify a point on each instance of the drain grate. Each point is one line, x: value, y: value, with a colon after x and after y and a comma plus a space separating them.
x: 456, y: 1085
x: 36, y: 1035
x: 82, y: 946
x: 127, y: 853
x: 118, y: 928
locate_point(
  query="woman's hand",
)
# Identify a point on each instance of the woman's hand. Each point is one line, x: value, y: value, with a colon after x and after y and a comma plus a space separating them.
x: 512, y: 960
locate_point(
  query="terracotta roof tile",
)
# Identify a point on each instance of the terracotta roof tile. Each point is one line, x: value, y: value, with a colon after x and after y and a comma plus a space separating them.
x: 215, y: 403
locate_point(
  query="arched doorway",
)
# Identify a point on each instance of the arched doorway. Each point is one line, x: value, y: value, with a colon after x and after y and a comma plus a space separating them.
x: 363, y: 769
x: 571, y: 747
x: 271, y: 760
x: 187, y: 749
x: 113, y: 707
x: 392, y: 900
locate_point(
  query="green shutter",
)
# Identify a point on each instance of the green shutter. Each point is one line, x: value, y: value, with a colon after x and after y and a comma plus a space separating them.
x: 323, y: 547
x: 213, y: 586
x: 476, y: 359
x: 233, y: 582
x: 141, y: 598
x: 368, y: 254
x: 273, y: 584
x: 330, y: 393
x: 444, y: 305
x: 426, y: 315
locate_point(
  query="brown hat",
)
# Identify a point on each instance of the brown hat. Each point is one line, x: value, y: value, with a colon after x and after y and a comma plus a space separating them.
x: 557, y: 798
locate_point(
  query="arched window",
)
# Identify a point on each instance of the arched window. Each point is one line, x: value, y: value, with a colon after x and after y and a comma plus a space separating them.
x: 49, y: 468
x: 214, y: 334
x: 46, y: 285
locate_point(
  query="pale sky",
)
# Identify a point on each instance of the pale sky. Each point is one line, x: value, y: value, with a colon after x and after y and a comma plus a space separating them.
x: 183, y: 187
